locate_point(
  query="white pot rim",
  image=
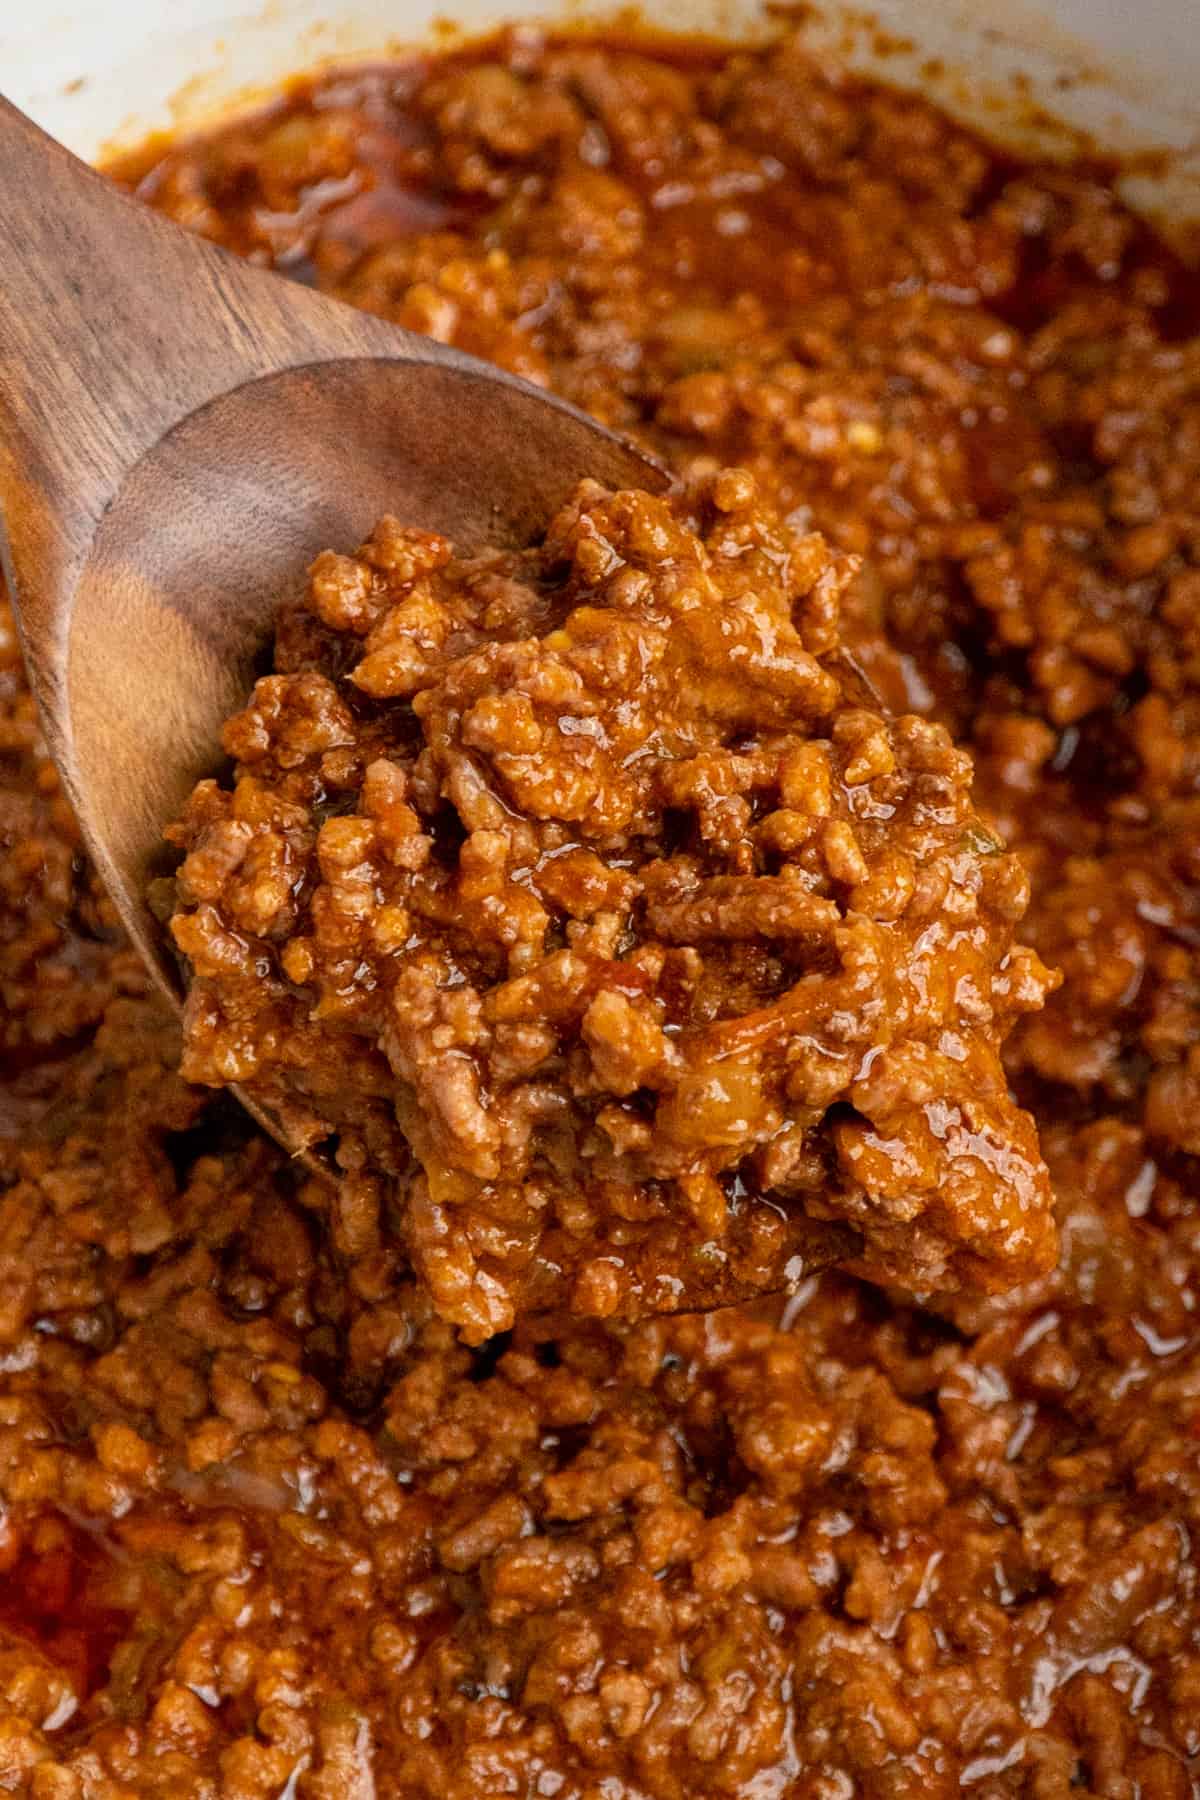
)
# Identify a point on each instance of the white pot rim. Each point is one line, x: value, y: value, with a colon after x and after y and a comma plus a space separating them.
x: 1043, y: 75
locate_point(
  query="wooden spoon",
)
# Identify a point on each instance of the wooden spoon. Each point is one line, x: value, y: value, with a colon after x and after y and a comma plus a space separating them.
x: 180, y: 434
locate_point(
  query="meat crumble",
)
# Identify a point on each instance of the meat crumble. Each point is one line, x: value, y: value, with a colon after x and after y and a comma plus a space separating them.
x: 639, y: 924
x: 270, y: 1525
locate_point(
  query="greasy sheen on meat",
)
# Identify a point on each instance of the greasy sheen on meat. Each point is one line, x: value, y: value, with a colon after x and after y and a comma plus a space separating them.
x: 622, y: 898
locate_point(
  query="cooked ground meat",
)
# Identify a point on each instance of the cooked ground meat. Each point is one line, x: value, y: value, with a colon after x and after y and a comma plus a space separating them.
x: 269, y: 1527
x: 647, y: 931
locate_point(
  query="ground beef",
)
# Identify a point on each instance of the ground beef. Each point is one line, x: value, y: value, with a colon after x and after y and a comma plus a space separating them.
x: 647, y: 931
x: 269, y: 1527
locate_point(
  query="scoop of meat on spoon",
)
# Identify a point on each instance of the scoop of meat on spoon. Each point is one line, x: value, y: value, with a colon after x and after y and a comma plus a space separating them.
x: 730, y: 1073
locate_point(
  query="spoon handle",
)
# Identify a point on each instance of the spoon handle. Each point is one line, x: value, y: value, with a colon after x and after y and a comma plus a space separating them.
x: 87, y: 327
x: 114, y: 325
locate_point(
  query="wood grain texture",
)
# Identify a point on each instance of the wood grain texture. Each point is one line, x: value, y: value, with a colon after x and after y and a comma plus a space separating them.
x: 180, y: 433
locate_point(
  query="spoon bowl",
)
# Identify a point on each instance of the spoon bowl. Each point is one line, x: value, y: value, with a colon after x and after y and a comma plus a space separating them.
x: 215, y: 527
